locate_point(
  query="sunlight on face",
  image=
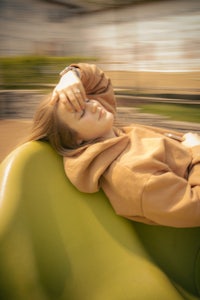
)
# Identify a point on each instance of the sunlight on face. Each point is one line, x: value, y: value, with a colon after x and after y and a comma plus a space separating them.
x: 94, y: 122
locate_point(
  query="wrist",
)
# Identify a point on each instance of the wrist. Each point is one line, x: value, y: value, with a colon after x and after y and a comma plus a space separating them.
x: 70, y: 68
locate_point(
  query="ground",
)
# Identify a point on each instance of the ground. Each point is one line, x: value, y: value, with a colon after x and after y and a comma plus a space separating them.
x: 12, y: 133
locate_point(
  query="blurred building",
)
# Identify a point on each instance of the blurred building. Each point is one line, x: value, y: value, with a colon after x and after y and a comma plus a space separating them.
x: 145, y: 35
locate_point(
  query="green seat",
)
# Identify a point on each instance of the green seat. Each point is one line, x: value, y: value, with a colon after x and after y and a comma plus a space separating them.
x: 57, y: 243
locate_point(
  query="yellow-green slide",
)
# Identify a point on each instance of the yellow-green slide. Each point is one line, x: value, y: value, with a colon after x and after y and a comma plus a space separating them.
x: 57, y: 243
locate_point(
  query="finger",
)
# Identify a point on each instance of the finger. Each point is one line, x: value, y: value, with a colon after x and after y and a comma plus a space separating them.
x: 54, y: 97
x: 75, y: 99
x: 67, y: 102
x: 80, y: 97
x: 83, y: 98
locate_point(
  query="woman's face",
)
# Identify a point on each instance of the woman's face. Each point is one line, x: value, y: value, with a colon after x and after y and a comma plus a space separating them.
x: 94, y: 122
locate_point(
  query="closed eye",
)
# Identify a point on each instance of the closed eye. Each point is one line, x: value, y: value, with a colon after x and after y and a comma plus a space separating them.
x: 82, y: 113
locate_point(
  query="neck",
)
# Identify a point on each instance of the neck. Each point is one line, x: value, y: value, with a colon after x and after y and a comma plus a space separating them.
x: 114, y: 132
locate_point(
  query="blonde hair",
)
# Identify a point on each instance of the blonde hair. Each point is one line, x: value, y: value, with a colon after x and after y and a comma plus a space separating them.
x: 48, y: 127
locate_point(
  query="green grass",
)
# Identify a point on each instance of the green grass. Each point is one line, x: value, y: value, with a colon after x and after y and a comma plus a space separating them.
x: 33, y: 72
x: 179, y: 112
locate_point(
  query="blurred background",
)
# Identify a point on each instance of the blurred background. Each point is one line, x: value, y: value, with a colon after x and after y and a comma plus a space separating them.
x: 150, y: 49
x: 127, y: 35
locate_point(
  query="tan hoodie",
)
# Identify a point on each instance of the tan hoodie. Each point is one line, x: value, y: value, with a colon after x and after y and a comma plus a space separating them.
x: 147, y: 176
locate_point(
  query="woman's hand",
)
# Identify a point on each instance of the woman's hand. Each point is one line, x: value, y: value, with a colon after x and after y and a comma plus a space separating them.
x: 71, y: 90
x: 191, y: 140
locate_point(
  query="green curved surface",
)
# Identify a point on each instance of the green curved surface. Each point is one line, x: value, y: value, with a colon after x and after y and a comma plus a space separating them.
x: 58, y: 243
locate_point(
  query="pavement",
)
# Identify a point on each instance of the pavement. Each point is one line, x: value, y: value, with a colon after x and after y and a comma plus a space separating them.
x: 12, y: 133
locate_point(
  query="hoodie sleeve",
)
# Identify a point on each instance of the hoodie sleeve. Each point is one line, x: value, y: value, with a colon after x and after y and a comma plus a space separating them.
x: 194, y: 172
x: 97, y: 85
x: 171, y: 200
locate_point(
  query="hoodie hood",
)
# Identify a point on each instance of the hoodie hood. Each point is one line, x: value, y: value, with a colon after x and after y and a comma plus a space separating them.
x: 85, y: 169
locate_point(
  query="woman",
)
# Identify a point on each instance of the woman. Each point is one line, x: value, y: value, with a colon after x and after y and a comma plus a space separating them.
x: 148, y: 174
